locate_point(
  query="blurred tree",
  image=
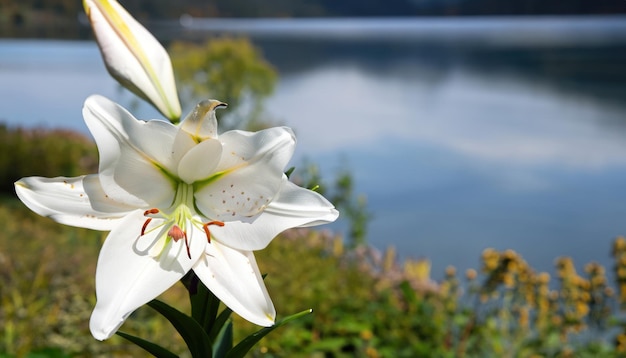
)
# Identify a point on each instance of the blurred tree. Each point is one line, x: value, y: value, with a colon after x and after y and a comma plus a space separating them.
x: 352, y: 206
x: 231, y: 70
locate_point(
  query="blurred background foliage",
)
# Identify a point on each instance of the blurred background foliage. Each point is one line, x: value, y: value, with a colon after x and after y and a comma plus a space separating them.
x: 231, y: 70
x: 50, y: 153
x: 366, y: 302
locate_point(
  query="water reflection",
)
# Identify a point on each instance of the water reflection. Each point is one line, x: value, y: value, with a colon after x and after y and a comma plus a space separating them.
x: 496, y: 119
x: 45, y: 83
x: 469, y: 163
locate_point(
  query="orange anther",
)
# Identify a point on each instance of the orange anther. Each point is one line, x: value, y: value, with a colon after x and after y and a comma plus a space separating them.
x: 206, y: 228
x: 145, y: 225
x: 151, y: 211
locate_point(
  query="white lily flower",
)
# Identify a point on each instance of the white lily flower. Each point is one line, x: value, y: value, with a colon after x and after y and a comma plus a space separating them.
x: 179, y: 198
x: 133, y: 56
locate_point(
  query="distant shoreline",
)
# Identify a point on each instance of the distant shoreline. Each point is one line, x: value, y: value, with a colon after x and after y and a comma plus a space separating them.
x: 552, y: 28
x: 546, y: 30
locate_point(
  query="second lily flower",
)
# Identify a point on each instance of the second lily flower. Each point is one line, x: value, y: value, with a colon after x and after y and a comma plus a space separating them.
x: 133, y: 56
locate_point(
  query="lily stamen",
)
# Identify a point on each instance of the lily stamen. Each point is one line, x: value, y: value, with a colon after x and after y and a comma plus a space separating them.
x: 145, y: 225
x: 176, y: 233
x: 206, y: 228
x: 151, y: 211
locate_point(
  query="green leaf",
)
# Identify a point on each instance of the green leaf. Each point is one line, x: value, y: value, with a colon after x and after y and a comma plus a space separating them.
x: 240, y: 350
x: 204, y: 307
x: 204, y: 304
x: 224, y: 340
x: 218, y: 324
x: 150, y: 347
x: 189, y: 329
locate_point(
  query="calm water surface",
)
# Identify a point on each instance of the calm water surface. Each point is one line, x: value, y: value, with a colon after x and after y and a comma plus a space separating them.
x: 463, y: 135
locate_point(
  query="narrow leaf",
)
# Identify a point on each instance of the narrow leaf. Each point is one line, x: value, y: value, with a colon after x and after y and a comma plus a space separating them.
x: 219, y: 323
x: 190, y: 330
x: 242, y: 348
x: 224, y: 341
x: 150, y: 347
x: 204, y: 304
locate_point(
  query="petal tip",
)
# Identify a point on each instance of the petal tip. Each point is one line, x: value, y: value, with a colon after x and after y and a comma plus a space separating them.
x: 20, y: 184
x: 101, y: 334
x: 102, y: 327
x: 268, y: 321
x: 271, y: 316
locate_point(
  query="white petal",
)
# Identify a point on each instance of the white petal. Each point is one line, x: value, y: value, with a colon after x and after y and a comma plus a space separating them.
x: 273, y: 146
x: 304, y: 207
x: 250, y: 173
x: 143, y: 179
x: 128, y: 275
x: 79, y: 201
x: 293, y: 207
x: 132, y: 153
x: 201, y: 123
x: 133, y: 56
x: 200, y: 162
x: 155, y: 137
x: 233, y: 276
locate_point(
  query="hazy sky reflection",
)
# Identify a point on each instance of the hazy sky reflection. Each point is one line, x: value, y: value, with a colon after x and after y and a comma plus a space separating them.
x: 464, y: 163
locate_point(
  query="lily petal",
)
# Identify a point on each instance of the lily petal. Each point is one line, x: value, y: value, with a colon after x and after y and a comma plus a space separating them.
x: 201, y: 123
x: 128, y: 275
x: 233, y: 276
x: 292, y: 207
x: 131, y: 153
x: 79, y: 201
x: 304, y: 207
x: 104, y: 115
x: 248, y: 175
x: 200, y: 162
x: 133, y: 56
x: 144, y: 179
x: 272, y: 146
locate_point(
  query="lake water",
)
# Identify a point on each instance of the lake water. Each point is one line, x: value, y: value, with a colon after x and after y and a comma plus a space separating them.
x: 463, y: 134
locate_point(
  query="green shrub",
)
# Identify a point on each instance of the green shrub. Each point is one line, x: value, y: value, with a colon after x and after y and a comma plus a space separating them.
x: 50, y: 153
